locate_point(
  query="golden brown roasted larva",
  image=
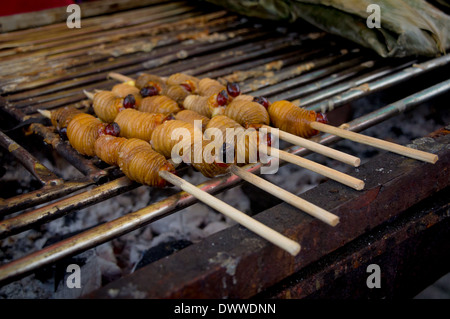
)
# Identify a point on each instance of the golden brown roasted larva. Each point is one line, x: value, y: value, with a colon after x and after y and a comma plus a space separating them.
x: 61, y: 117
x: 245, y: 141
x: 161, y: 140
x: 107, y: 148
x: 247, y: 113
x: 192, y: 116
x: 162, y: 143
x: 221, y: 122
x: 122, y: 90
x: 244, y: 97
x: 197, y: 104
x: 144, y: 80
x: 136, y: 124
x: 208, y: 87
x: 207, y: 165
x: 107, y: 105
x: 140, y: 163
x: 185, y: 79
x: 158, y: 104
x: 82, y: 132
x: 293, y: 119
x: 204, y: 105
x: 177, y: 92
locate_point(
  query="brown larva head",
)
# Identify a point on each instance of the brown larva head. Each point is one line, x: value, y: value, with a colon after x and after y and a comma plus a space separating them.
x: 112, y: 129
x: 233, y: 89
x: 149, y: 90
x: 321, y: 118
x: 189, y: 86
x: 222, y: 98
x: 129, y: 101
x: 262, y: 100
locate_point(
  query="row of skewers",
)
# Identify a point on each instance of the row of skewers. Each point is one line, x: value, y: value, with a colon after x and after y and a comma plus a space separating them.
x: 135, y: 121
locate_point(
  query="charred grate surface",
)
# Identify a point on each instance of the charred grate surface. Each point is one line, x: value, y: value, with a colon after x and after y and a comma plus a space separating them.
x: 49, y: 67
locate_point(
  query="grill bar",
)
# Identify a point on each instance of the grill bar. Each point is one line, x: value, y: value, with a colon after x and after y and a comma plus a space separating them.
x: 100, y: 234
x: 42, y: 195
x: 311, y: 93
x: 42, y: 173
x: 383, y: 83
x: 349, y: 70
x: 84, y: 165
x: 62, y: 207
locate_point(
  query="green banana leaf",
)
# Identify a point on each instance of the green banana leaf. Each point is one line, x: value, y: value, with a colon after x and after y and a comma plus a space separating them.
x: 407, y: 27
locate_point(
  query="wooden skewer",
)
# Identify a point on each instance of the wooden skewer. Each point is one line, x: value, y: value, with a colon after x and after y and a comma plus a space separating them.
x: 257, y: 227
x: 89, y: 94
x: 45, y: 113
x: 286, y: 196
x: 375, y: 142
x: 121, y: 78
x: 333, y: 174
x: 315, y: 147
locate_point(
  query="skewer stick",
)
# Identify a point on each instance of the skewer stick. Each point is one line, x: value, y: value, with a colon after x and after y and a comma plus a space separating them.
x: 89, y: 94
x: 45, y: 113
x: 121, y: 78
x: 286, y: 196
x: 315, y: 147
x: 262, y: 230
x: 316, y: 167
x: 375, y: 142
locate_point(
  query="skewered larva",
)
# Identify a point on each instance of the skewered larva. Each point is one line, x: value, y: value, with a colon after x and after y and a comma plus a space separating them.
x: 140, y: 163
x: 136, y: 124
x: 107, y: 105
x: 204, y: 162
x: 208, y: 87
x: 207, y: 166
x: 190, y: 82
x: 158, y: 104
x: 177, y: 92
x: 197, y: 104
x: 221, y: 122
x: 178, y: 78
x: 245, y: 141
x: 82, y: 132
x: 247, y: 113
x: 123, y: 89
x: 107, y: 148
x: 192, y: 116
x: 161, y: 140
x: 61, y: 117
x: 293, y: 119
x: 145, y: 80
x: 244, y: 97
x: 207, y: 106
